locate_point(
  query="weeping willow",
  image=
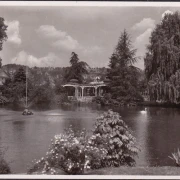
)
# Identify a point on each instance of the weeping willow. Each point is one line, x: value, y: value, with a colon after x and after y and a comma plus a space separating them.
x: 162, y: 61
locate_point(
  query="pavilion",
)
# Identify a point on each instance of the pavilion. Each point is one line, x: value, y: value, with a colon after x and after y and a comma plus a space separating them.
x: 85, y: 92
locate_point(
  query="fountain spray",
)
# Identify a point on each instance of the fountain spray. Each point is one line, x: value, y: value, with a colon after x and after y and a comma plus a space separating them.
x: 26, y: 111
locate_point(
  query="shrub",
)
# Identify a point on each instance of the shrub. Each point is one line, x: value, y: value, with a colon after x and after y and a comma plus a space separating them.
x: 71, y: 152
x: 119, y: 101
x: 107, y: 100
x: 113, y: 134
x: 111, y: 144
x: 4, y: 167
x: 62, y: 99
x: 176, y: 157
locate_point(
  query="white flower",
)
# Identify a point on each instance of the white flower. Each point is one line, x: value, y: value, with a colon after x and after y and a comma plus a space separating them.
x: 86, y: 163
x: 76, y: 141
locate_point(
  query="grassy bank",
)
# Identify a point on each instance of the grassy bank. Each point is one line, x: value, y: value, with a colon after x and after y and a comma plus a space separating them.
x: 155, y: 104
x: 165, y: 170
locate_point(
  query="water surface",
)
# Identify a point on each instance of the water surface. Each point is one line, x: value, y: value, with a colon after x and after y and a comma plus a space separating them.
x: 28, y: 137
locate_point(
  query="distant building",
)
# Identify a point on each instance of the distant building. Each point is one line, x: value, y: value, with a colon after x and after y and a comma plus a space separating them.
x: 3, y: 76
x: 85, y: 92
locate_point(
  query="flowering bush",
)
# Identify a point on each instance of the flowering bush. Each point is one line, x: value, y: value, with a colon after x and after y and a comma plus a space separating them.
x: 113, y: 134
x: 71, y: 152
x: 110, y: 145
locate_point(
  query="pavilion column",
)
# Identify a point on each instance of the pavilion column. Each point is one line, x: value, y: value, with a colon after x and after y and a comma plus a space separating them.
x: 96, y: 91
x: 76, y: 92
x: 82, y: 91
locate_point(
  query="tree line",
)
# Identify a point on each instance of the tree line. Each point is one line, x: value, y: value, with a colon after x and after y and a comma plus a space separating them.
x: 45, y: 84
x: 161, y: 77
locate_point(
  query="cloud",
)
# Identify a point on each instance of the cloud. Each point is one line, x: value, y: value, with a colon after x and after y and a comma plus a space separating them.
x: 144, y: 27
x: 13, y: 32
x: 140, y: 43
x: 166, y: 12
x: 51, y: 32
x: 144, y: 37
x: 67, y: 43
x: 26, y: 59
x: 144, y: 24
x: 92, y: 49
x: 62, y: 39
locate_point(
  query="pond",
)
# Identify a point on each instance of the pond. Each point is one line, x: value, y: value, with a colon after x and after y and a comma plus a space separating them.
x: 26, y: 138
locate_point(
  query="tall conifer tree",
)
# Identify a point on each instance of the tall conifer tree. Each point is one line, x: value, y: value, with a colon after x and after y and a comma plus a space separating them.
x: 122, y: 73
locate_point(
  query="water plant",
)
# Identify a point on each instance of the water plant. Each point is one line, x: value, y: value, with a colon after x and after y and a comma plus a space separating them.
x: 176, y: 157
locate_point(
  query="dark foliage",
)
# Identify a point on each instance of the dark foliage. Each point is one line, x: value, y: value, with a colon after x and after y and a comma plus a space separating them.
x: 4, y: 166
x: 77, y: 70
x: 162, y: 67
x: 3, y: 35
x: 123, y: 75
x: 20, y: 76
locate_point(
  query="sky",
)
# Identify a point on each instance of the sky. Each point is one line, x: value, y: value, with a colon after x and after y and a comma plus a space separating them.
x: 46, y: 36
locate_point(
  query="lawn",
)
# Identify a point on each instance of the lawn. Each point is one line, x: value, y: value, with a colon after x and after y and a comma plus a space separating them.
x: 165, y: 170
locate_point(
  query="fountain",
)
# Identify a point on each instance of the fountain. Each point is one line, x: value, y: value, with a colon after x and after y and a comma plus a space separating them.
x: 26, y: 110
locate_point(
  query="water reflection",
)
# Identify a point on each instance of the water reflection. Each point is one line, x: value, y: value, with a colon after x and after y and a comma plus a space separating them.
x: 143, y: 121
x: 164, y: 136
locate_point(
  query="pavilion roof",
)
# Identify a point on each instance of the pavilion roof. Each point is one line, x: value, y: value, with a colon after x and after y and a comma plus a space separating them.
x: 85, y: 84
